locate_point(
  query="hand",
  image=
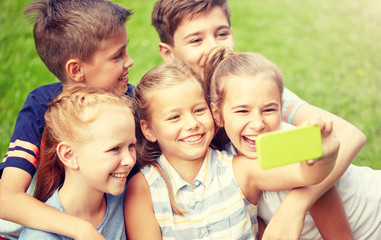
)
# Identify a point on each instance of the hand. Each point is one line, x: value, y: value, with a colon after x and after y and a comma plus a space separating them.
x: 330, y: 142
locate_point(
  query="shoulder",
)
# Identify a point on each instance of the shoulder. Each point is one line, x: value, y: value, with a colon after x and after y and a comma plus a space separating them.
x: 137, y: 187
x: 223, y: 156
x: 48, y: 92
x: 38, y: 100
x: 138, y: 198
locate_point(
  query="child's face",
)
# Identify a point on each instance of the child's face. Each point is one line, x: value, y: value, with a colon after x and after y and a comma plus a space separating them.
x: 108, y: 154
x: 252, y: 106
x: 109, y: 67
x: 181, y: 122
x: 194, y: 38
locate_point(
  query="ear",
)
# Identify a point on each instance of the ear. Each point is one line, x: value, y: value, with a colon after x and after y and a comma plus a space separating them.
x: 73, y: 70
x: 67, y: 155
x: 147, y: 131
x: 217, y: 115
x: 166, y: 52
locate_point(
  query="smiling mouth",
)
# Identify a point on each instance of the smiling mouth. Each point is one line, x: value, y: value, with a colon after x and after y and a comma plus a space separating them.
x: 119, y: 175
x: 193, y: 139
x: 250, y: 140
x: 124, y: 78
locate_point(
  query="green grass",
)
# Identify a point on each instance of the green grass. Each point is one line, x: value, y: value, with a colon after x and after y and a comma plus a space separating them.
x: 327, y: 50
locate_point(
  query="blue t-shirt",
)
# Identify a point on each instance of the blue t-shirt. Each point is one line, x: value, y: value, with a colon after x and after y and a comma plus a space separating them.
x: 112, y: 226
x: 24, y: 147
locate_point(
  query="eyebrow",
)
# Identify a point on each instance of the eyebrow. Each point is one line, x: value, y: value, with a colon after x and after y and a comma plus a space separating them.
x: 276, y: 104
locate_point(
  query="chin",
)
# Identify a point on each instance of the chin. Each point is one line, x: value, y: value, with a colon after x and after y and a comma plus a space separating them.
x: 249, y: 154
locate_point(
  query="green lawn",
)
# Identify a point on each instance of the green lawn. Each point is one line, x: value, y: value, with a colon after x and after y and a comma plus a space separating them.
x: 328, y: 51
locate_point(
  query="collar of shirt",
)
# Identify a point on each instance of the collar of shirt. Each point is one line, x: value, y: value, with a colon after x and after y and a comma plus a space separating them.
x: 204, y: 176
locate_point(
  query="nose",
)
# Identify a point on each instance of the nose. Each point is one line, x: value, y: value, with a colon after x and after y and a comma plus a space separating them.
x: 128, y: 62
x: 211, y: 43
x: 129, y: 159
x: 191, y: 122
x: 257, y: 122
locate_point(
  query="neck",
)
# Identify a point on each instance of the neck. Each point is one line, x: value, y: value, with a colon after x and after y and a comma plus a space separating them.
x: 188, y: 169
x: 82, y: 201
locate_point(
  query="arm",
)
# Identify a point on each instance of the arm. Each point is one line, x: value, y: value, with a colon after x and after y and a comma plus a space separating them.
x: 332, y: 222
x: 329, y: 216
x: 251, y: 178
x: 139, y: 215
x: 298, y: 201
x: 28, y: 211
x: 351, y: 142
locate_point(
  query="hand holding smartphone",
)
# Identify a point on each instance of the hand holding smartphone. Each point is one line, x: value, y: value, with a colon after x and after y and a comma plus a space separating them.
x: 283, y: 147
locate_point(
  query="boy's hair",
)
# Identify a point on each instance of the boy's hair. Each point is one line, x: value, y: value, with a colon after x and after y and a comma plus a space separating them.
x: 221, y: 64
x: 168, y: 14
x: 65, y: 29
x: 67, y: 119
x: 160, y: 77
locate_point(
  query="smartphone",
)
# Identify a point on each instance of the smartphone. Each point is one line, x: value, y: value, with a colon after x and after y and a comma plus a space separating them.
x: 283, y: 147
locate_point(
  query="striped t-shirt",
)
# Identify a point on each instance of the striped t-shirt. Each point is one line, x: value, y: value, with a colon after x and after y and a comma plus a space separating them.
x: 214, y: 204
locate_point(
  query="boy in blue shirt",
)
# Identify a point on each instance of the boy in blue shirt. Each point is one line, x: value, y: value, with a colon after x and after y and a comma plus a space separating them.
x: 80, y: 41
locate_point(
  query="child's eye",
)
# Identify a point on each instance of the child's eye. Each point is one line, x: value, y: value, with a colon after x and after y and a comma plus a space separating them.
x: 195, y: 41
x: 270, y: 110
x: 114, y: 149
x: 175, y: 117
x: 241, y: 111
x: 223, y: 34
x: 118, y: 56
x: 131, y: 146
x: 199, y: 111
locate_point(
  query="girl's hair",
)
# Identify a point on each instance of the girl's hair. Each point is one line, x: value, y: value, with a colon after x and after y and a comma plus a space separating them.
x: 221, y: 64
x: 160, y: 77
x: 67, y: 119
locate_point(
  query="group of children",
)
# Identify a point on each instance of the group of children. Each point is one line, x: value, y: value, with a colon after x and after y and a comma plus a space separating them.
x: 196, y: 116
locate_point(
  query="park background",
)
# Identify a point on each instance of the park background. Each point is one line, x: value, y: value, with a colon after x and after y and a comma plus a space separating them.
x: 329, y: 52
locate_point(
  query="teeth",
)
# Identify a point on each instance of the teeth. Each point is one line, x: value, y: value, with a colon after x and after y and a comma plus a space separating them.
x: 251, y: 137
x: 192, y: 139
x: 123, y: 77
x: 119, y: 175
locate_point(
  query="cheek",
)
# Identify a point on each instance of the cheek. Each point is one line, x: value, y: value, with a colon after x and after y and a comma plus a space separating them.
x: 232, y: 130
x: 274, y: 123
x: 228, y: 43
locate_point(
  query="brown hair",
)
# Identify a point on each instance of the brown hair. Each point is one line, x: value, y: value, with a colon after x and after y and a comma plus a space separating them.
x: 160, y: 77
x: 168, y: 14
x: 66, y: 121
x: 73, y: 29
x: 223, y: 63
